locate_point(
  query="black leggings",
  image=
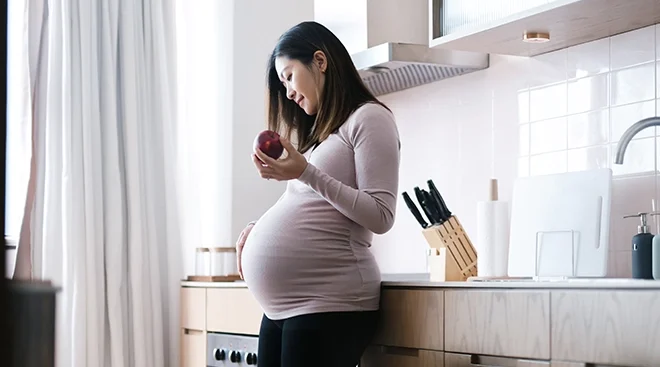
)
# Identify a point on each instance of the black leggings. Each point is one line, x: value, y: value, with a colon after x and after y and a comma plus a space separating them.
x: 329, y: 339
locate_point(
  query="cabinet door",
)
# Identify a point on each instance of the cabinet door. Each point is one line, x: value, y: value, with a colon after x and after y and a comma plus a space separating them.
x: 511, y: 323
x: 606, y: 327
x: 383, y: 356
x: 468, y: 360
x: 193, y: 301
x: 193, y: 348
x: 232, y: 310
x: 411, y: 318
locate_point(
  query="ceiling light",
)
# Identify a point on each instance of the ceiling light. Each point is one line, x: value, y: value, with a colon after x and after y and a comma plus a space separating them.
x: 536, y: 37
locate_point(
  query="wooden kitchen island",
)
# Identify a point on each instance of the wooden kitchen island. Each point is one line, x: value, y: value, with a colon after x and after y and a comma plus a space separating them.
x: 606, y: 322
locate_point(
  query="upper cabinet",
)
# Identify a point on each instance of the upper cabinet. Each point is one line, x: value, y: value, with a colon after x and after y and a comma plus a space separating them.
x: 500, y: 26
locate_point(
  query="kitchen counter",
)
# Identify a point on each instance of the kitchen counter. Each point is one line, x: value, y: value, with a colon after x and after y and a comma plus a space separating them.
x: 424, y: 323
x: 392, y: 281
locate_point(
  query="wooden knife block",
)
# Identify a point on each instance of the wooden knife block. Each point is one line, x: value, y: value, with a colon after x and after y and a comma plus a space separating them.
x: 452, y: 256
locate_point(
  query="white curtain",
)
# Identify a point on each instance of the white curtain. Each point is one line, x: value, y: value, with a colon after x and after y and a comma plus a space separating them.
x: 101, y: 210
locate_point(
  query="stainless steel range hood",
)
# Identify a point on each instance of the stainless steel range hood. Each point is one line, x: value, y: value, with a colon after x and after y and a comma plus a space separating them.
x: 388, y: 41
x: 391, y: 67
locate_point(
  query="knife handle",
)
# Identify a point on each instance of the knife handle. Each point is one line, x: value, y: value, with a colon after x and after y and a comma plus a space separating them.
x: 437, y: 200
x: 433, y: 207
x: 413, y: 208
x: 422, y: 204
x: 441, y: 201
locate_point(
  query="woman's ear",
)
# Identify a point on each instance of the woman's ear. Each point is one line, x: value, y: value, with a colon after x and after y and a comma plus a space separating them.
x: 321, y: 61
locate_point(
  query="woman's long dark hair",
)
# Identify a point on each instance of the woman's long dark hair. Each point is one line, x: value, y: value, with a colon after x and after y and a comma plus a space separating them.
x: 343, y: 91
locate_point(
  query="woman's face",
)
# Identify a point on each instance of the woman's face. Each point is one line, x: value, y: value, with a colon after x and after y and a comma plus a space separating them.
x: 304, y: 85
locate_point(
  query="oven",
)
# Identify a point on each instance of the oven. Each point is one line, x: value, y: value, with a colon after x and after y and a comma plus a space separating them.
x: 231, y: 350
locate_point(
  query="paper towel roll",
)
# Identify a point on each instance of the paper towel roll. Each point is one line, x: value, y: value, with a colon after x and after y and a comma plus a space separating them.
x: 492, y: 243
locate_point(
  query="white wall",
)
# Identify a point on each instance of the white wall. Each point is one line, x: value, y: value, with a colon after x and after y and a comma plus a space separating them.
x: 258, y: 25
x: 223, y: 49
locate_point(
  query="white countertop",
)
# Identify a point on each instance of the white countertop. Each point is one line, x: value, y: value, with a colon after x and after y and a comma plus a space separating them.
x: 558, y: 284
x: 422, y: 281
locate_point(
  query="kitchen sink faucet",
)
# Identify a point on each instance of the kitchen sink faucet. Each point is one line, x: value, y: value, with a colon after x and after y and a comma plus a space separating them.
x: 630, y: 133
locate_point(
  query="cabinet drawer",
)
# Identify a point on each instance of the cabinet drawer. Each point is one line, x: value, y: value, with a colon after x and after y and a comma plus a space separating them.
x: 471, y: 360
x: 193, y: 301
x: 383, y: 356
x: 193, y: 348
x: 232, y: 310
x: 606, y: 327
x: 411, y: 318
x: 508, y: 323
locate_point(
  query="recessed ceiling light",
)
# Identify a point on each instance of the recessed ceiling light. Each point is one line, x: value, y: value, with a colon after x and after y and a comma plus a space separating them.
x: 536, y: 37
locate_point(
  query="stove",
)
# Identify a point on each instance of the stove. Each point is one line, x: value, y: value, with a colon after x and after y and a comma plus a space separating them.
x: 231, y: 350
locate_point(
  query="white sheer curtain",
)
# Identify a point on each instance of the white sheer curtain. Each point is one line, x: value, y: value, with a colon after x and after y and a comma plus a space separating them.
x: 101, y: 214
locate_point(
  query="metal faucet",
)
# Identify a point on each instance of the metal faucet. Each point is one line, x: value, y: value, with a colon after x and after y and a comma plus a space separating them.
x: 630, y: 133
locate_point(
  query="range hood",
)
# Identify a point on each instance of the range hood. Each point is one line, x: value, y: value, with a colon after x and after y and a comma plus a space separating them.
x: 388, y: 42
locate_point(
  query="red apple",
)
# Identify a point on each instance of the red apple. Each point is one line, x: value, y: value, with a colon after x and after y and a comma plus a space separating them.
x: 269, y: 142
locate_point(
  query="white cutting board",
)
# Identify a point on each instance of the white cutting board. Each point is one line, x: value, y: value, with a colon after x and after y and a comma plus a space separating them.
x: 549, y: 207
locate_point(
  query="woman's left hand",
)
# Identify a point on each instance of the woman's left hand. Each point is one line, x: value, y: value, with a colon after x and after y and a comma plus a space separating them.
x: 283, y: 169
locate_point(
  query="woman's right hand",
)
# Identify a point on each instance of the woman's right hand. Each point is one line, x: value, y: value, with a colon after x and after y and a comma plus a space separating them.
x: 239, y: 246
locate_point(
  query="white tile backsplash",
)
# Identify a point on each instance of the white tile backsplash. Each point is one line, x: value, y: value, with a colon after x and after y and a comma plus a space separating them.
x: 634, y: 84
x: 548, y: 101
x: 547, y: 136
x: 633, y: 48
x: 624, y: 116
x: 548, y: 163
x: 524, y: 139
x: 588, y: 94
x: 588, y: 158
x: 557, y: 112
x: 588, y: 59
x: 547, y: 69
x: 588, y: 128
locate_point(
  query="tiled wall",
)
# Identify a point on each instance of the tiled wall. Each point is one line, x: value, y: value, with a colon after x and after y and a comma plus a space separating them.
x: 559, y: 112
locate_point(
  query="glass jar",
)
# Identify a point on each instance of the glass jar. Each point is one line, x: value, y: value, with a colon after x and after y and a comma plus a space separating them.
x: 202, y: 261
x: 223, y: 261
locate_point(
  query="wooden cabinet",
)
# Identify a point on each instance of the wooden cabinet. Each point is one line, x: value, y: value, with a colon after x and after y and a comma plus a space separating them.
x: 193, y: 327
x: 512, y: 323
x: 232, y: 310
x: 193, y: 308
x: 472, y: 360
x: 384, y: 356
x: 466, y: 327
x: 193, y: 348
x: 411, y: 318
x: 607, y: 327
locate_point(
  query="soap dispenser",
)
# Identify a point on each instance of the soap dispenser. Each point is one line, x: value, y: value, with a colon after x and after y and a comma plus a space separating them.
x: 642, y: 247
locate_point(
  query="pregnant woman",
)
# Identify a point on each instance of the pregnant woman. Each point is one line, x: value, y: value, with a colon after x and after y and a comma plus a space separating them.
x: 307, y: 259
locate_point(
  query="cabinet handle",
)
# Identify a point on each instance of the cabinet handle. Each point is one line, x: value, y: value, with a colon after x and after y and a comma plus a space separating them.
x: 401, y: 351
x: 492, y: 361
x: 192, y: 332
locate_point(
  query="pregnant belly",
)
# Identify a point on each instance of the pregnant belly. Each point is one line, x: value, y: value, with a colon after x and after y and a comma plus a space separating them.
x: 285, y: 260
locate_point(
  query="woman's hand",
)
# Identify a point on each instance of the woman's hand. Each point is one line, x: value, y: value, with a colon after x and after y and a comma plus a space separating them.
x: 283, y: 169
x: 239, y: 246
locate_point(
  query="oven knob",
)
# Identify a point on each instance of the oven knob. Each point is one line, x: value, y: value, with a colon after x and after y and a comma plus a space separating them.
x: 219, y: 354
x: 251, y: 359
x: 235, y: 356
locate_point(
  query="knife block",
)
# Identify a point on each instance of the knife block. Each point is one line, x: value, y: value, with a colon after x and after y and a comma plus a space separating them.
x: 452, y: 256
